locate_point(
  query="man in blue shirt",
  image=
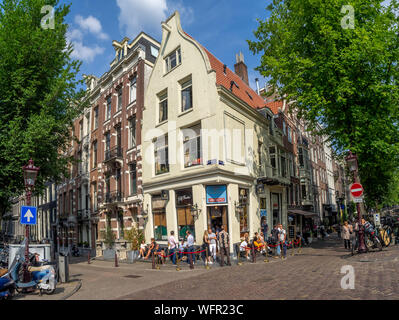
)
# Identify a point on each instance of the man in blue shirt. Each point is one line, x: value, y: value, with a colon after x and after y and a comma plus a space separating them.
x: 190, y: 248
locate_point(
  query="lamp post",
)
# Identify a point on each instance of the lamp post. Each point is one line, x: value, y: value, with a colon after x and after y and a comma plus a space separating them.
x: 30, y: 174
x: 353, y: 165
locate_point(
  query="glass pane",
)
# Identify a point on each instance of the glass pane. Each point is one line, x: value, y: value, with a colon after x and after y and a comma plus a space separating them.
x: 186, y: 95
x: 173, y: 61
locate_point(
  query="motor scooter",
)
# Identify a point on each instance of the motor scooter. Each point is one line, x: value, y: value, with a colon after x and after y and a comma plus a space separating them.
x: 7, y: 287
x: 43, y: 275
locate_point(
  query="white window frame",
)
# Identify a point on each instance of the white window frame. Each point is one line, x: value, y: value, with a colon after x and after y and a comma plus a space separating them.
x: 133, y: 84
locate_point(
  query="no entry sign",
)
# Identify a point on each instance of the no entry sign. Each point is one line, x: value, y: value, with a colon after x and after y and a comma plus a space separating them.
x: 356, y: 190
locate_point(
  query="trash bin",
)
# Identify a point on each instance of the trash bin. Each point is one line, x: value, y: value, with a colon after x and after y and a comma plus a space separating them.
x: 63, y: 268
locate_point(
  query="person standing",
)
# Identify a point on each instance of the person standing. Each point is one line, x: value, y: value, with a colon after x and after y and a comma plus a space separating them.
x: 224, y: 242
x: 265, y: 229
x: 282, y: 239
x: 190, y: 248
x: 347, y: 230
x: 205, y: 246
x: 212, y: 244
x: 275, y: 241
x: 173, y: 245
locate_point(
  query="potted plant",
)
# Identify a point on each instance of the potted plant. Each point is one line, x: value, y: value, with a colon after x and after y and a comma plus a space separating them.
x: 109, y: 242
x: 134, y: 237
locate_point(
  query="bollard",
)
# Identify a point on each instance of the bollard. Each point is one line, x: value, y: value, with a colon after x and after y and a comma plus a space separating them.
x: 153, y: 260
x: 300, y: 246
x: 157, y: 261
x: 267, y: 254
x: 238, y: 257
x: 88, y: 257
x: 178, y: 264
x: 191, y: 260
x: 206, y: 259
x: 116, y: 260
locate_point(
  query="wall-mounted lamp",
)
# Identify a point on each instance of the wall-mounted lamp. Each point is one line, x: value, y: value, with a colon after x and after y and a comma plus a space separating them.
x: 195, y: 211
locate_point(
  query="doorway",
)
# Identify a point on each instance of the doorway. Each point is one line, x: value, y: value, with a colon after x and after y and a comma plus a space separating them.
x: 217, y: 216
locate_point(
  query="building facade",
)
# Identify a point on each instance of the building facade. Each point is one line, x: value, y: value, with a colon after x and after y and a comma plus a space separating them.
x: 207, y: 146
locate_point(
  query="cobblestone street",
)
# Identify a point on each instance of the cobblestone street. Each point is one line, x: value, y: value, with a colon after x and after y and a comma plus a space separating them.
x: 313, y: 274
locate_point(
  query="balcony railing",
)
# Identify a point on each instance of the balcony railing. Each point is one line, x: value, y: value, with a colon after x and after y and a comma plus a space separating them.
x: 113, y: 154
x: 113, y: 197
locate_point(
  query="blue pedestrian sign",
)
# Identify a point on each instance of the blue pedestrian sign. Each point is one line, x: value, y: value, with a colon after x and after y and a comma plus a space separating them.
x: 28, y: 215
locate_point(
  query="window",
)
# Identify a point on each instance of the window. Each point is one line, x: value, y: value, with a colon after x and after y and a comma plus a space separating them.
x: 283, y: 166
x: 120, y: 93
x: 289, y: 134
x: 260, y: 153
x: 154, y: 51
x: 192, y: 146
x: 107, y: 143
x: 172, y: 60
x: 161, y: 155
x: 133, y: 89
x: 304, y: 195
x: 159, y: 218
x: 95, y: 154
x: 186, y: 96
x: 108, y: 114
x: 185, y: 220
x: 132, y: 132
x: 284, y: 128
x: 96, y: 117
x: 133, y: 179
x: 244, y: 220
x: 163, y: 107
x: 272, y: 151
x: 81, y: 129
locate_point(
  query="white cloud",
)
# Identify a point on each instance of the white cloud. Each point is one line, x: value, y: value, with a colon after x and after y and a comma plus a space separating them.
x: 138, y: 15
x: 74, y: 34
x: 92, y: 25
x: 84, y: 53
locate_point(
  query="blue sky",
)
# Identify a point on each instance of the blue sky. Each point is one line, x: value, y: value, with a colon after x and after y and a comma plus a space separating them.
x: 222, y: 26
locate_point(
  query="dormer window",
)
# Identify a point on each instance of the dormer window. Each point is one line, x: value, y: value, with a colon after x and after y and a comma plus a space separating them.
x: 173, y: 60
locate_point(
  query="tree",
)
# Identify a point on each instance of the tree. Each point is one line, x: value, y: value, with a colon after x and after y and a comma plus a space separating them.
x: 39, y: 94
x: 341, y: 77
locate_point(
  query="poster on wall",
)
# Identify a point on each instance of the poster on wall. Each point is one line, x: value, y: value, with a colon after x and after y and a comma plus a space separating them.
x: 216, y: 194
x: 263, y: 212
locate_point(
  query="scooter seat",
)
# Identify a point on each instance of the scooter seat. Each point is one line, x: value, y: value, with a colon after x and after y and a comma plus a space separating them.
x: 26, y: 285
x: 3, y: 272
x: 32, y: 269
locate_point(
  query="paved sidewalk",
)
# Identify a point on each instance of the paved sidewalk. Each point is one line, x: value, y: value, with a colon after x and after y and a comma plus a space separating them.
x: 63, y: 290
x: 315, y: 273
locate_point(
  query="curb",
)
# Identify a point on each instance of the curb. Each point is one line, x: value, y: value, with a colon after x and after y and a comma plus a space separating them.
x: 78, y: 286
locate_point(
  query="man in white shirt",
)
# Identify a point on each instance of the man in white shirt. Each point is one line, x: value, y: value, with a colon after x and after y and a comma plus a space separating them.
x: 282, y: 236
x: 173, y: 244
x: 190, y: 248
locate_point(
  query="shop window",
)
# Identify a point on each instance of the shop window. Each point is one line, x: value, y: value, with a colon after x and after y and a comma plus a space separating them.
x: 185, y: 220
x: 243, y: 211
x: 159, y: 218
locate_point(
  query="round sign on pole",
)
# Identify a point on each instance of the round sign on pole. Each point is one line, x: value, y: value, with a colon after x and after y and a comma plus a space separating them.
x: 356, y: 190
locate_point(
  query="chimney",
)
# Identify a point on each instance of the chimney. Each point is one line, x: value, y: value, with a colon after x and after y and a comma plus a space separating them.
x: 240, y: 68
x: 257, y: 86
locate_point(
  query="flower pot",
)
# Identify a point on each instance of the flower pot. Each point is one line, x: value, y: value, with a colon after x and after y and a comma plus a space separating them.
x: 132, y: 256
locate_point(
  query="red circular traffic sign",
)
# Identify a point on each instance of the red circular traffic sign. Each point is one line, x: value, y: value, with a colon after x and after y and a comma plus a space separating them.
x: 356, y: 190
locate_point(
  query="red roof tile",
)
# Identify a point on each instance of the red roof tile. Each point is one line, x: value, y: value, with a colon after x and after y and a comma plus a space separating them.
x: 244, y: 92
x: 275, y: 105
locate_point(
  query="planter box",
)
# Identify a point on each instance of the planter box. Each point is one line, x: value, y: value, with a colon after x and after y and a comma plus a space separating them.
x: 109, y: 254
x: 132, y: 256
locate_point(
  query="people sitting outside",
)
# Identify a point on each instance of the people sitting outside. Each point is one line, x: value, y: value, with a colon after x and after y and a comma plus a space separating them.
x: 244, y: 247
x: 143, y: 249
x: 151, y: 249
x: 263, y: 242
x: 257, y: 242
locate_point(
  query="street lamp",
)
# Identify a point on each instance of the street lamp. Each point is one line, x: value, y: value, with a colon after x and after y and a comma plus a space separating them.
x: 195, y: 211
x: 352, y: 162
x: 30, y: 174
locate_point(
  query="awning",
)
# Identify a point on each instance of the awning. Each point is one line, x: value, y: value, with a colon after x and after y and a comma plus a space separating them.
x: 303, y: 213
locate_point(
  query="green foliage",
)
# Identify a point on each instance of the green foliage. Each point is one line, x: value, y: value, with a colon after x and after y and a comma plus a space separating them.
x: 134, y: 236
x: 344, y: 79
x: 109, y: 237
x: 39, y: 94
